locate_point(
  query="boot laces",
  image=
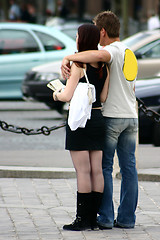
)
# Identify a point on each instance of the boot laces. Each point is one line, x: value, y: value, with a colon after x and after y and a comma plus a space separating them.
x: 77, y: 220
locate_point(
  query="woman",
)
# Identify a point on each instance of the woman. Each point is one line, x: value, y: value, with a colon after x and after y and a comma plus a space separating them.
x: 86, y: 144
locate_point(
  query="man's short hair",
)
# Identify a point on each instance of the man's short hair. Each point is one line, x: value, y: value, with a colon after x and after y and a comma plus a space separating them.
x: 109, y: 21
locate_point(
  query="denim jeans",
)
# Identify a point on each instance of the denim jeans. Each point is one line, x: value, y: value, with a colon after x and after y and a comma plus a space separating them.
x: 121, y: 135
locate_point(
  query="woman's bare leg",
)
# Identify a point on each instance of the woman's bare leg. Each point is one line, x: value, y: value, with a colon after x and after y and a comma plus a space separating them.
x: 81, y: 162
x: 96, y: 171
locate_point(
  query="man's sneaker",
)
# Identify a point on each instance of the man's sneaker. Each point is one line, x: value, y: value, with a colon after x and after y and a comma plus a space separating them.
x: 103, y: 226
x: 117, y: 225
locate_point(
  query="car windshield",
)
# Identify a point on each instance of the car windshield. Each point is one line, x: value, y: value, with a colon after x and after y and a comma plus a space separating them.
x: 134, y: 39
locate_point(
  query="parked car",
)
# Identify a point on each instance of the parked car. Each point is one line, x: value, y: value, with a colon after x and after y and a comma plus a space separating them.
x: 23, y: 46
x: 146, y: 46
x: 149, y: 92
x: 34, y: 86
x: 68, y: 27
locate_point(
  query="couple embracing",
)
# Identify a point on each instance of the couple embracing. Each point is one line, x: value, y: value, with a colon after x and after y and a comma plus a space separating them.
x: 112, y: 126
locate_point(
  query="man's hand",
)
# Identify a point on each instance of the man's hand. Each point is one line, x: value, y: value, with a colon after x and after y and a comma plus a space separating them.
x: 65, y: 68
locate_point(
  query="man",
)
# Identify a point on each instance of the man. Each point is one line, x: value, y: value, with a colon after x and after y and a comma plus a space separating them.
x: 153, y: 21
x: 121, y: 120
x: 14, y: 11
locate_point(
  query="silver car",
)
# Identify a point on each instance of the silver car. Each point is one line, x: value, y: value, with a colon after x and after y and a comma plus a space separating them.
x: 146, y: 46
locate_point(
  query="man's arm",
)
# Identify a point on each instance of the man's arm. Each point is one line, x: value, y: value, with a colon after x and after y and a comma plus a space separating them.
x: 85, y: 57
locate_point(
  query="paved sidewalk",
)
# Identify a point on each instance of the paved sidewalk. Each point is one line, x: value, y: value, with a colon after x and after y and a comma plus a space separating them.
x: 36, y: 209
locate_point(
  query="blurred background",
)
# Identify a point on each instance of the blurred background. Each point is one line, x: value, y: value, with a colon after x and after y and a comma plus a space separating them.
x: 134, y: 14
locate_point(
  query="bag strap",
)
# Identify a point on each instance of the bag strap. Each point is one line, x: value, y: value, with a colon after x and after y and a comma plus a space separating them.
x: 85, y: 74
x: 90, y: 97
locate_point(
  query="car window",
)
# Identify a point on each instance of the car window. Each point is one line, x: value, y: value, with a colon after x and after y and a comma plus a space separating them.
x: 17, y: 41
x: 50, y: 43
x: 151, y: 50
x: 129, y: 42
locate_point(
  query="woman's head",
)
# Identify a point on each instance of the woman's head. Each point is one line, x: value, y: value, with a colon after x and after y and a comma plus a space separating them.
x: 88, y: 37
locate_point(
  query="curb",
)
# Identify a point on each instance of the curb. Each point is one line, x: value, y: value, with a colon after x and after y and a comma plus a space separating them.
x: 36, y: 172
x: 151, y: 175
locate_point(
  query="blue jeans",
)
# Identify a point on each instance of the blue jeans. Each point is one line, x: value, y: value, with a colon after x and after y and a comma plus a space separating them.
x: 121, y: 135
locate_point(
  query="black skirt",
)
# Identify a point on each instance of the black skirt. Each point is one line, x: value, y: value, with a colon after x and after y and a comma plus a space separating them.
x: 89, y: 138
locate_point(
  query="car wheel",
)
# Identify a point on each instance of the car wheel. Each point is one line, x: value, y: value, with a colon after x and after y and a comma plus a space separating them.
x: 156, y: 135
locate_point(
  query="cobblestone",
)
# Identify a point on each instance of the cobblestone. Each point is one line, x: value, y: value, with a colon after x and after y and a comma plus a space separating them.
x: 36, y: 209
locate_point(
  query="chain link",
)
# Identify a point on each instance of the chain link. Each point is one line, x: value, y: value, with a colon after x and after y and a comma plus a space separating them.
x: 43, y: 130
x: 148, y: 112
x: 46, y: 131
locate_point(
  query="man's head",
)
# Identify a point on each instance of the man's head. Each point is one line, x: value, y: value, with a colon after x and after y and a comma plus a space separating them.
x: 108, y: 21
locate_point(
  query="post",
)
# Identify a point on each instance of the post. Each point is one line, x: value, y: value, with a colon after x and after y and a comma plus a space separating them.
x: 56, y: 7
x: 41, y: 11
x: 125, y: 17
x: 5, y: 8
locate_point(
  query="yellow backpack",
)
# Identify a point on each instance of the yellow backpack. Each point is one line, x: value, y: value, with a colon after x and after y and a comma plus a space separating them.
x: 130, y: 67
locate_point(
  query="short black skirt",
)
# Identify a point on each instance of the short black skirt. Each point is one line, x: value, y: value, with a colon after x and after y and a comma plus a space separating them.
x: 89, y: 138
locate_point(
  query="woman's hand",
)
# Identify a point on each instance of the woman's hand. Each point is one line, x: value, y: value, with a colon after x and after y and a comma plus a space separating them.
x: 65, y: 68
x: 55, y: 95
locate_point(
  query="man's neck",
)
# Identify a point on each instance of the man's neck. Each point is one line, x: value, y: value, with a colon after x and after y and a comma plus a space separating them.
x: 111, y: 40
x: 108, y: 41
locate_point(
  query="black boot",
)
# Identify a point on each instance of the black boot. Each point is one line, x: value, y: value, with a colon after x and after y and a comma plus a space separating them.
x: 83, y: 219
x: 96, y: 202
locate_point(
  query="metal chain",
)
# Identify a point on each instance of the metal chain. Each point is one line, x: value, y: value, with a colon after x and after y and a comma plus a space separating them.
x: 46, y: 131
x: 43, y: 130
x: 148, y: 112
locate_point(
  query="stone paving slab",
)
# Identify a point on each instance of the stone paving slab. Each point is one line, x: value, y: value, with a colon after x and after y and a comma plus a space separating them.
x: 37, y: 209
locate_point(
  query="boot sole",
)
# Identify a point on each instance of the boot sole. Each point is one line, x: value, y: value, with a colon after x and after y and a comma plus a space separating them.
x: 76, y: 229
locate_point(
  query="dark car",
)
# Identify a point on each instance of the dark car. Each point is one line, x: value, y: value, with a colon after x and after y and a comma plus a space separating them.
x: 149, y: 92
x: 34, y: 86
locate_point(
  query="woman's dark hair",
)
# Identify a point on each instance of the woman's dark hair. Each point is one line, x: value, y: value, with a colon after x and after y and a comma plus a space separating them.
x: 88, y: 37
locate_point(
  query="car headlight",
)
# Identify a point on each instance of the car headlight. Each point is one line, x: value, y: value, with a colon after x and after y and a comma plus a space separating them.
x: 46, y: 76
x: 40, y: 76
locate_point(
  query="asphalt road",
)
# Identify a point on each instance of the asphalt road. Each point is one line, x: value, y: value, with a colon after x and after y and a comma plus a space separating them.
x: 46, y: 151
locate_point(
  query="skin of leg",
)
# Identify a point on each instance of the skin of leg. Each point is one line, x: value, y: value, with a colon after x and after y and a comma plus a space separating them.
x: 81, y: 162
x: 97, y: 178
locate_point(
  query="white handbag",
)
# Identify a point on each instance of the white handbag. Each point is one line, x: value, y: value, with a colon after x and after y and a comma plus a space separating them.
x: 81, y: 104
x: 90, y: 87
